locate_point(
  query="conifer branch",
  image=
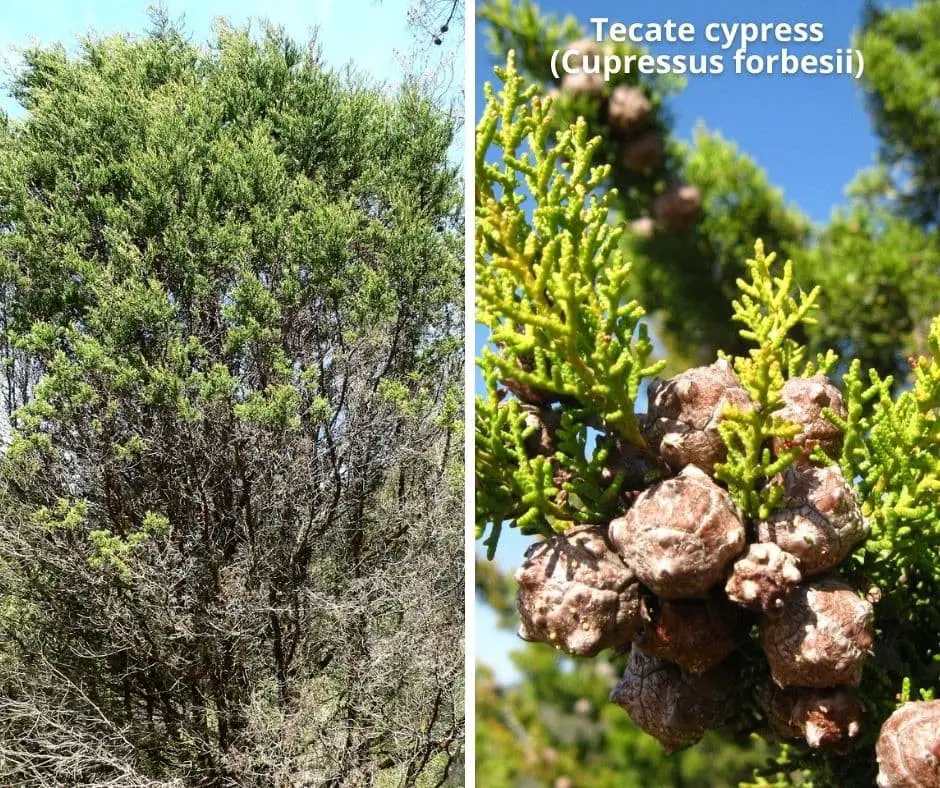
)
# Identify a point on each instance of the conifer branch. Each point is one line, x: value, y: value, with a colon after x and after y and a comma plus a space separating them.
x: 769, y: 312
x: 553, y: 289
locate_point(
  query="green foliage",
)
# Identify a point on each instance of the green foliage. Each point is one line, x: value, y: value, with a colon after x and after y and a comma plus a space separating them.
x: 901, y: 78
x: 892, y: 449
x: 536, y: 493
x: 522, y: 28
x: 114, y: 551
x: 878, y: 275
x: 553, y: 291
x: 769, y: 313
x: 689, y: 279
x: 216, y: 262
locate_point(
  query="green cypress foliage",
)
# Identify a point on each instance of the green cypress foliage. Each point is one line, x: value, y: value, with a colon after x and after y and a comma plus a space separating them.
x: 875, y: 260
x: 225, y: 274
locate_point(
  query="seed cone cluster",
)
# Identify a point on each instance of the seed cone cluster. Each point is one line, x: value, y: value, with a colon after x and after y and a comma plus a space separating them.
x: 683, y: 580
x: 631, y: 118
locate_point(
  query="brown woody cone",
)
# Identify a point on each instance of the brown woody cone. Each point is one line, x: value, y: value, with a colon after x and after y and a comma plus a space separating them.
x: 675, y: 707
x: 763, y: 578
x: 821, y: 636
x: 820, y: 522
x: 908, y: 747
x: 823, y: 717
x: 803, y: 403
x: 694, y: 634
x: 577, y: 595
x: 683, y: 414
x: 580, y: 82
x: 644, y: 227
x: 679, y: 207
x: 680, y: 535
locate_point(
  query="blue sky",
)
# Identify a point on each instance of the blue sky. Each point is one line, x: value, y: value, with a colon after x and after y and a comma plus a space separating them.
x: 811, y: 135
x: 372, y: 35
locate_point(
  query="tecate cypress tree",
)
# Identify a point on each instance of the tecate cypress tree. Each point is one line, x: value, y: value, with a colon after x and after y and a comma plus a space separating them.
x: 230, y: 486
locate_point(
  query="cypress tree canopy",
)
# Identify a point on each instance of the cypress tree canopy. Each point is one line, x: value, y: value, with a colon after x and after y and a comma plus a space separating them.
x: 230, y: 287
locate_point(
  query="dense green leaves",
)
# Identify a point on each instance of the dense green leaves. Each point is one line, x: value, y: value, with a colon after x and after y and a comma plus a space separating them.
x: 213, y: 261
x: 902, y: 53
x: 553, y: 290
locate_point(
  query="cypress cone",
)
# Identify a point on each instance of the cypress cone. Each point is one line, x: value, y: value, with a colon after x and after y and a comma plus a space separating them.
x: 683, y: 414
x: 580, y: 81
x: 820, y: 522
x: 821, y: 636
x: 679, y: 207
x: 908, y: 747
x: 680, y: 535
x: 675, y: 707
x: 628, y: 108
x: 762, y: 578
x: 694, y: 634
x: 823, y: 717
x: 643, y: 152
x: 644, y: 227
x: 803, y: 402
x: 576, y: 594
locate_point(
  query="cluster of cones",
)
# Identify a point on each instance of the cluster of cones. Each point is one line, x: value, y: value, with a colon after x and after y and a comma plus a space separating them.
x: 629, y: 113
x: 681, y: 578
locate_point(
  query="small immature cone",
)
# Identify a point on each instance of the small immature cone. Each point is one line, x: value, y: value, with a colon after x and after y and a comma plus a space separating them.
x: 674, y: 706
x: 821, y: 636
x: 763, y: 578
x: 684, y: 412
x: 820, y: 522
x: 577, y: 595
x: 628, y: 108
x: 679, y: 207
x: 644, y: 152
x: 803, y: 403
x: 694, y: 634
x: 680, y: 535
x: 824, y: 717
x: 908, y: 748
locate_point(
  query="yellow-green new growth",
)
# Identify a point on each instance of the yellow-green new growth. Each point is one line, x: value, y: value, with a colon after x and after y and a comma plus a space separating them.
x: 769, y: 313
x: 892, y: 449
x: 553, y: 287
